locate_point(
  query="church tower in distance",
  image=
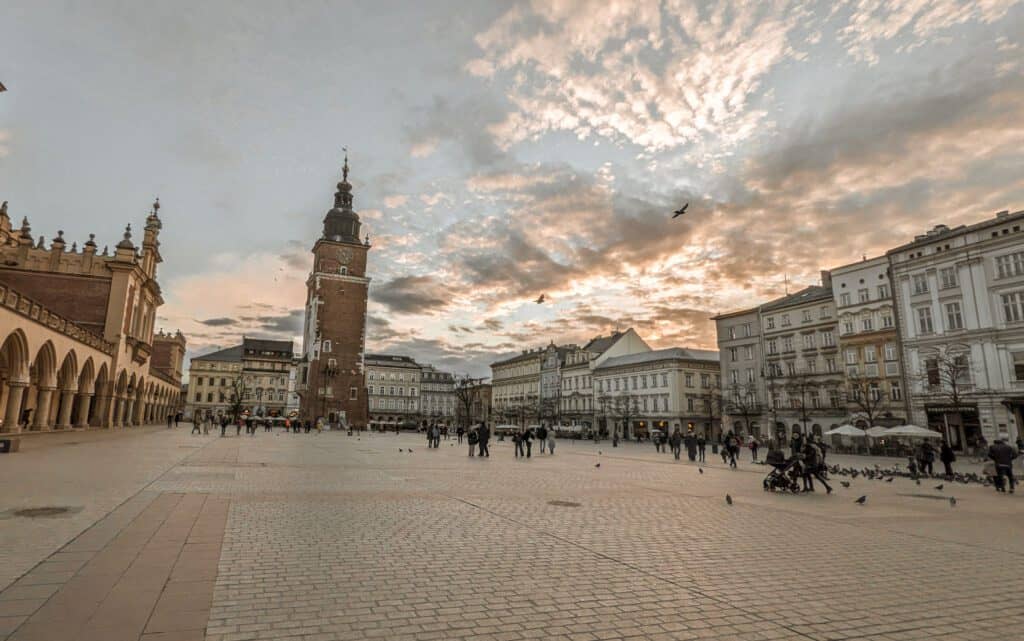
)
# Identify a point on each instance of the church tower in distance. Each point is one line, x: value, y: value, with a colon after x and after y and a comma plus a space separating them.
x: 331, y: 383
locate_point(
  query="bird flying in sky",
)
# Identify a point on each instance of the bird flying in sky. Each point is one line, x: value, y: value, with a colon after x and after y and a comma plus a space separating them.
x: 679, y: 212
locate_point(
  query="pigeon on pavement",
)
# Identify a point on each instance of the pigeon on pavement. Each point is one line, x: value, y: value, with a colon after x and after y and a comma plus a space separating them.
x: 700, y: 469
x: 952, y: 501
x: 940, y: 486
x: 862, y: 500
x: 598, y: 465
x: 728, y: 499
x: 844, y: 483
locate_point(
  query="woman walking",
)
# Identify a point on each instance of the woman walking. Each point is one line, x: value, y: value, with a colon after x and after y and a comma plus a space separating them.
x: 947, y: 457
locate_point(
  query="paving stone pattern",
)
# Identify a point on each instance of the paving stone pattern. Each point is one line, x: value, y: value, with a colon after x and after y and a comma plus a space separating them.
x: 323, y: 537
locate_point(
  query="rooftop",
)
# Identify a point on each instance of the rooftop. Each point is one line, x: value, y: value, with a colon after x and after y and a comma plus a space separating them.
x: 230, y: 354
x: 267, y: 345
x: 806, y: 295
x: 671, y: 353
x: 391, y: 359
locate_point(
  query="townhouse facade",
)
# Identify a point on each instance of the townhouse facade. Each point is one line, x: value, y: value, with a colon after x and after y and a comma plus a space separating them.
x: 959, y: 296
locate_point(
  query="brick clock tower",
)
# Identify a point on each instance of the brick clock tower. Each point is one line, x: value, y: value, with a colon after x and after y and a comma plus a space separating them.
x: 331, y: 382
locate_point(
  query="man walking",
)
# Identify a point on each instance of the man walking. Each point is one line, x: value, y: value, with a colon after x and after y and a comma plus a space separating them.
x: 542, y: 437
x: 484, y: 435
x: 676, y: 441
x: 196, y: 419
x: 223, y: 424
x: 1002, y: 454
x: 702, y: 447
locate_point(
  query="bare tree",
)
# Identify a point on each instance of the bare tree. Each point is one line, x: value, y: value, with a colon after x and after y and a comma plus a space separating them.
x: 466, y: 391
x: 624, y: 408
x: 239, y: 392
x: 947, y: 375
x: 801, y: 388
x: 742, y: 402
x: 712, y: 405
x: 864, y: 395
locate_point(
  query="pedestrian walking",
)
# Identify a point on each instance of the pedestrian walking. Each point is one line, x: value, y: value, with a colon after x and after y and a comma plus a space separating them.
x: 196, y: 420
x: 518, y: 439
x: 1003, y: 454
x: 472, y: 439
x: 542, y: 437
x: 676, y: 441
x: 796, y: 444
x: 753, y: 448
x: 177, y: 419
x: 813, y: 467
x: 551, y: 442
x: 250, y: 427
x: 927, y: 458
x: 657, y: 441
x: 484, y: 435
x: 238, y: 427
x: 223, y: 424
x: 732, y: 448
x: 702, y: 448
x: 459, y: 432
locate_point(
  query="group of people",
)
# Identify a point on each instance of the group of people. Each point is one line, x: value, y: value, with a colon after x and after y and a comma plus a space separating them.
x: 202, y: 423
x: 524, y: 437
x: 478, y: 437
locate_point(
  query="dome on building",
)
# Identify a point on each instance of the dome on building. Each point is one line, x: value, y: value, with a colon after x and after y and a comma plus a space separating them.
x: 341, y: 223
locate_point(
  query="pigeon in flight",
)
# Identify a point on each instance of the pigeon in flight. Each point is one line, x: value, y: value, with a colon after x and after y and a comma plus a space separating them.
x: 728, y: 499
x: 679, y: 212
x: 940, y: 486
x: 862, y: 500
x: 540, y: 299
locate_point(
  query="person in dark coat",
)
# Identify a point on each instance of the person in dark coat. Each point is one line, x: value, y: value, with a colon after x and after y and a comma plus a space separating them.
x: 796, y: 444
x: 927, y: 458
x: 947, y: 457
x: 527, y: 440
x: 676, y: 441
x: 813, y: 468
x: 753, y: 448
x: 542, y: 437
x: 1003, y: 454
x: 702, y: 448
x: 690, y: 441
x: 483, y: 435
x: 223, y: 424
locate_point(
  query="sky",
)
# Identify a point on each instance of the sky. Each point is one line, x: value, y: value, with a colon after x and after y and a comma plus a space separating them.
x: 501, y: 150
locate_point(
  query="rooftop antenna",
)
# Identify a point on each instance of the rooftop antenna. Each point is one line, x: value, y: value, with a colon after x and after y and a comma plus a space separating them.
x: 785, y: 283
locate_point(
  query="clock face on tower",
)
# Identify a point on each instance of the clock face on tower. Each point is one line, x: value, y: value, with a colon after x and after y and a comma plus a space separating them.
x: 344, y: 255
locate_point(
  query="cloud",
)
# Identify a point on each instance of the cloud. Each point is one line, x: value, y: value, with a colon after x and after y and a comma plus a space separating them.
x: 5, y: 140
x: 219, y: 322
x: 396, y: 200
x: 465, y: 123
x: 873, y: 22
x: 634, y: 72
x: 411, y: 295
x: 290, y: 323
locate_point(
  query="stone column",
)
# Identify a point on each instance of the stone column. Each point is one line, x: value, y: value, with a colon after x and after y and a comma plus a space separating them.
x: 84, y: 401
x: 41, y: 417
x: 15, y: 392
x: 115, y: 415
x: 67, y: 402
x: 129, y: 405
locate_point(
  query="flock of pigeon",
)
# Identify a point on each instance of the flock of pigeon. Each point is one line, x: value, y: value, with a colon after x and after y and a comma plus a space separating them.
x: 887, y: 475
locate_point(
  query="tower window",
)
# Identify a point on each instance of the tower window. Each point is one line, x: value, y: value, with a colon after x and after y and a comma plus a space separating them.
x: 327, y: 346
x: 343, y: 270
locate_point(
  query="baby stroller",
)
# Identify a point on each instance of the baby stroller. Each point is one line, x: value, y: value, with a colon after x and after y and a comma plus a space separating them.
x: 785, y: 473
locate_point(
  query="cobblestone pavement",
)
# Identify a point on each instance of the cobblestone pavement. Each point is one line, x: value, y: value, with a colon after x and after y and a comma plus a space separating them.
x: 333, y: 537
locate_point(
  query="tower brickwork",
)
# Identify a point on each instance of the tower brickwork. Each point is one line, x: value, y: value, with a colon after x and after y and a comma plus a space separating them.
x: 331, y: 382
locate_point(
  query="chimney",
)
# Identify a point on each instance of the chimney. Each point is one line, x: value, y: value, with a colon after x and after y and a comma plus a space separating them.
x: 826, y: 278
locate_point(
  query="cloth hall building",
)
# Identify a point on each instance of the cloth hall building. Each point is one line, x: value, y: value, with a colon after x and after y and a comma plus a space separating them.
x: 78, y: 343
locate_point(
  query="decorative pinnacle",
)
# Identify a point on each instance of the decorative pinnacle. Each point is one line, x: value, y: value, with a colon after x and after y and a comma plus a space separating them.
x: 344, y: 169
x: 156, y: 206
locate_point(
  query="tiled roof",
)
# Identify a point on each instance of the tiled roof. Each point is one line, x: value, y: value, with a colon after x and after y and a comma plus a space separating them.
x: 391, y: 359
x: 267, y: 345
x: 806, y: 295
x: 231, y: 354
x: 671, y: 353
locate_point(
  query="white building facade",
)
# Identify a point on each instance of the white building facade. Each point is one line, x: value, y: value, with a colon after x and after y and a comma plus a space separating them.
x: 960, y: 310
x: 661, y: 389
x: 393, y: 391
